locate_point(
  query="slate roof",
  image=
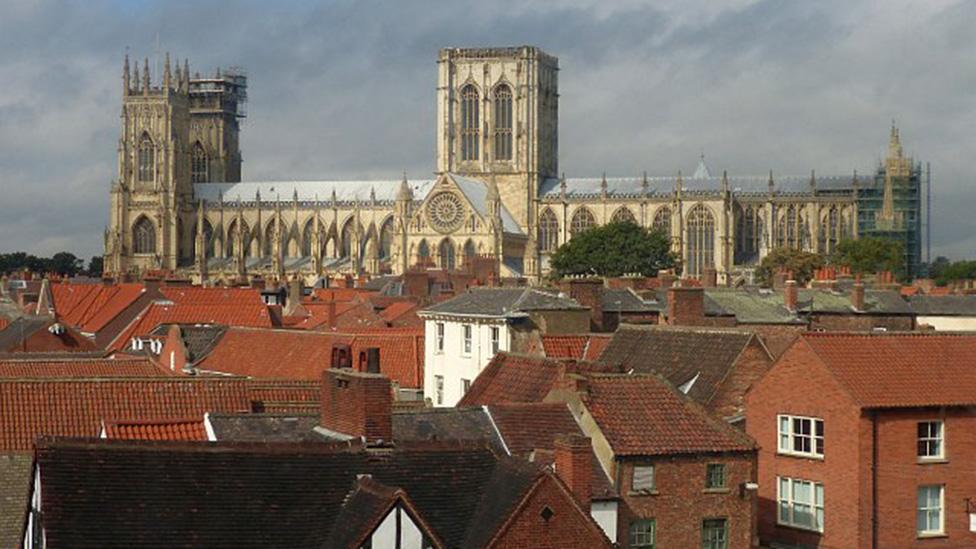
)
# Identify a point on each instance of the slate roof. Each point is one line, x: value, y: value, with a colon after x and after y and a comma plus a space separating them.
x: 83, y: 367
x: 265, y: 427
x: 365, y: 506
x: 126, y: 493
x: 663, y: 186
x: 198, y: 340
x: 16, y: 472
x: 76, y: 407
x: 899, y: 370
x: 476, y: 192
x: 450, y: 424
x: 679, y: 354
x: 309, y: 191
x: 502, y: 303
x: 643, y: 415
x: 155, y: 429
x: 624, y: 300
x: 943, y: 305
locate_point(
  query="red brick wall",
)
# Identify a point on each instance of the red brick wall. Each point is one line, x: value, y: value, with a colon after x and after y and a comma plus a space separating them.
x: 357, y: 404
x: 900, y: 474
x: 751, y: 365
x: 682, y: 503
x: 797, y: 384
x: 861, y: 322
x: 567, y: 527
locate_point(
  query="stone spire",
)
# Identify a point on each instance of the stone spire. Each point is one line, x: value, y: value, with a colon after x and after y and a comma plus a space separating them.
x: 725, y: 181
x: 404, y: 193
x: 562, y: 187
x: 678, y: 184
x: 772, y: 184
x: 167, y: 73
x: 813, y: 182
x: 145, y: 76
x: 894, y: 142
x: 186, y: 74
x: 125, y: 76
x: 644, y: 185
x: 603, y: 186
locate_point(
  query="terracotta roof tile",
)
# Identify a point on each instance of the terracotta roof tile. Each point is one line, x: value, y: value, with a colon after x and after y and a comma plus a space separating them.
x: 596, y: 346
x: 395, y: 310
x: 89, y: 307
x: 900, y: 369
x: 161, y: 429
x: 216, y: 296
x: 512, y: 377
x: 642, y: 414
x: 76, y: 407
x: 86, y: 367
x: 565, y: 346
x: 229, y: 313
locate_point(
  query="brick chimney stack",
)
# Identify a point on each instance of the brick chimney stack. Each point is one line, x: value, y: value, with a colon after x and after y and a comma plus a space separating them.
x: 857, y: 294
x: 574, y: 466
x: 589, y: 293
x: 416, y: 283
x: 790, y: 295
x: 666, y: 277
x: 709, y: 277
x: 357, y: 404
x: 686, y: 306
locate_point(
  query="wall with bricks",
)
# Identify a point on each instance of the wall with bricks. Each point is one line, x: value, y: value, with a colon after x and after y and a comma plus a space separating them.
x: 357, y: 404
x: 752, y: 364
x: 680, y: 502
x: 797, y: 384
x: 567, y: 526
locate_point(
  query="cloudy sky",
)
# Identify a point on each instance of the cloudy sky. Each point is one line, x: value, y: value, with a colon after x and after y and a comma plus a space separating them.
x: 345, y: 89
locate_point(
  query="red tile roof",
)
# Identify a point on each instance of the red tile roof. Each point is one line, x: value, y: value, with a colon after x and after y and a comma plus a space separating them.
x: 280, y: 397
x: 161, y: 429
x: 4, y: 322
x: 89, y: 307
x: 84, y: 367
x: 396, y: 310
x: 510, y: 377
x: 643, y: 415
x: 76, y: 407
x: 596, y: 345
x: 201, y: 294
x: 304, y: 355
x: 900, y: 369
x: 245, y: 313
x: 564, y: 346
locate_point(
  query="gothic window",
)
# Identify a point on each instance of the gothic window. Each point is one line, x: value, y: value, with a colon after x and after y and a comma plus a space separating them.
x: 232, y: 239
x: 143, y: 236
x: 208, y: 238
x: 548, y: 231
x: 700, y: 241
x: 199, y: 164
x: 582, y: 220
x: 469, y: 251
x: 623, y: 215
x: 307, y: 237
x: 146, y: 159
x: 503, y: 123
x: 748, y: 231
x: 445, y: 252
x: 423, y: 253
x: 470, y: 122
x: 662, y: 220
x: 346, y: 241
x: 386, y: 239
x: 791, y: 227
x: 269, y: 235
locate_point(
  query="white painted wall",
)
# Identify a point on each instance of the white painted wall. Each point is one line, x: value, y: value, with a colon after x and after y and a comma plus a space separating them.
x: 949, y: 323
x: 605, y: 514
x: 453, y: 363
x: 385, y: 535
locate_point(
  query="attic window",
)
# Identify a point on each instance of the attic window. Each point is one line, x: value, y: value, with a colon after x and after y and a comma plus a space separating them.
x: 342, y: 383
x: 546, y: 513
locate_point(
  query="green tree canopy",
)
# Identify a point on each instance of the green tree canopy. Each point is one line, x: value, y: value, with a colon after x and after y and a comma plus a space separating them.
x: 96, y: 266
x: 870, y: 255
x: 800, y: 263
x: 957, y: 270
x: 614, y: 250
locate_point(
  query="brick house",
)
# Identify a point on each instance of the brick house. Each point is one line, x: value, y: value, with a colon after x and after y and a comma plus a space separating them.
x: 684, y: 476
x: 865, y: 441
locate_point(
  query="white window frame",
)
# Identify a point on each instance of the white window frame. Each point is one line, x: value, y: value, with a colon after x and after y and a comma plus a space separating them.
x: 439, y: 337
x: 786, y: 441
x: 938, y: 439
x: 638, y: 539
x: 789, y: 499
x: 495, y: 333
x: 648, y: 469
x: 467, y: 344
x: 439, y: 390
x: 919, y: 509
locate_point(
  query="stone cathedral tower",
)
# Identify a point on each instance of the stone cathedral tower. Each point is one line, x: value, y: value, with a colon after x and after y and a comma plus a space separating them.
x: 497, y: 119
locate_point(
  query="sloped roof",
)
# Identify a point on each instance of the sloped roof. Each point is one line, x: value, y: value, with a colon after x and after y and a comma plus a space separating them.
x: 513, y: 378
x: 943, y: 305
x: 265, y: 427
x: 624, y: 300
x: 90, y: 307
x: 16, y: 471
x: 76, y: 407
x: 446, y: 424
x: 155, y: 429
x: 575, y: 346
x: 304, y: 355
x: 365, y: 506
x: 127, y: 493
x: 679, y: 354
x: 84, y: 367
x: 319, y: 192
x: 663, y: 186
x: 896, y: 370
x: 643, y: 415
x: 226, y: 312
x: 502, y: 302
x: 198, y: 340
x: 476, y: 193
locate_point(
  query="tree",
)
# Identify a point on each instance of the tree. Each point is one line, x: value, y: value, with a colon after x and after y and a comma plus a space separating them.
x: 800, y: 263
x: 96, y: 266
x: 65, y: 264
x: 937, y: 267
x: 870, y: 255
x: 957, y: 270
x: 613, y: 250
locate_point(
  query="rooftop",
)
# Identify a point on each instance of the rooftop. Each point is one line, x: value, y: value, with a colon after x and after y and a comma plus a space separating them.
x: 502, y: 303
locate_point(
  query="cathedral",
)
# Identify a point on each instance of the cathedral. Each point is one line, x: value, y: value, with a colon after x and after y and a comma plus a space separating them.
x: 178, y: 204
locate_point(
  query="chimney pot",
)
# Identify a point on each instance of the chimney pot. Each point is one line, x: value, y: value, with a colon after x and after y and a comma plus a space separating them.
x: 857, y: 295
x: 790, y: 295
